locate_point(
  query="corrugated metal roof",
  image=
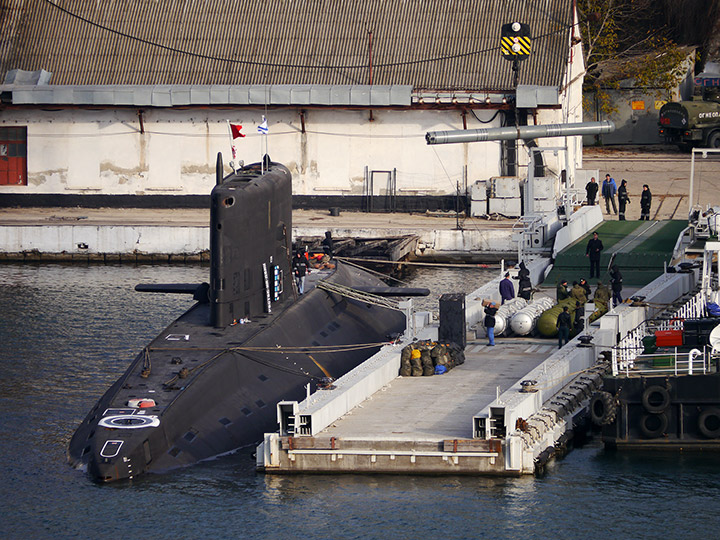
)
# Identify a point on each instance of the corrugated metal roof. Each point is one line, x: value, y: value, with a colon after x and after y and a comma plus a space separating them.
x: 428, y: 44
x: 180, y: 95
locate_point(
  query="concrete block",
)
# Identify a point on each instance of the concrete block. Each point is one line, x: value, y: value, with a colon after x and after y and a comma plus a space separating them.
x: 505, y: 186
x: 507, y: 207
x: 478, y: 191
x: 545, y: 205
x: 544, y: 187
x: 422, y: 319
x: 478, y: 208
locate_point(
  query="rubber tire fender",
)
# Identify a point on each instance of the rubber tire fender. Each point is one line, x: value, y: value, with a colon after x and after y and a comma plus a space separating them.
x: 658, y: 424
x: 649, y: 399
x: 603, y: 408
x: 712, y: 431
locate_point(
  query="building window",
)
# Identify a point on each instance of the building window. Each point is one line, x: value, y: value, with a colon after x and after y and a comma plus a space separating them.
x: 13, y: 156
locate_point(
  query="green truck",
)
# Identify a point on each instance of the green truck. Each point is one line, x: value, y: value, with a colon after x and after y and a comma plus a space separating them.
x: 693, y: 123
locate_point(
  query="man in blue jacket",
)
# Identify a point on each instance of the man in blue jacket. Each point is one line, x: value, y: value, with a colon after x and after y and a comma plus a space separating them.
x: 609, y: 189
x: 507, y: 291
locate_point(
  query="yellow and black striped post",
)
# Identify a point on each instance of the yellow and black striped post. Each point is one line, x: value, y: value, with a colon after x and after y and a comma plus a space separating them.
x: 515, y: 41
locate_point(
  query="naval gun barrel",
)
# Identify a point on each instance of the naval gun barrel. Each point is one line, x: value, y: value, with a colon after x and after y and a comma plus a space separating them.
x: 519, y: 132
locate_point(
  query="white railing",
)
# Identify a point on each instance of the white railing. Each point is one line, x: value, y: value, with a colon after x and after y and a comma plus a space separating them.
x: 693, y: 308
x: 630, y: 347
x: 695, y: 361
x: 627, y: 350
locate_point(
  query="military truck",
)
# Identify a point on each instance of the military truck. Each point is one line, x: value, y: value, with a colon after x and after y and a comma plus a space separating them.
x: 693, y: 123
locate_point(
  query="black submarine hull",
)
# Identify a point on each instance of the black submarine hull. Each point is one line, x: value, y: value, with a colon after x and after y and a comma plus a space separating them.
x: 210, y: 382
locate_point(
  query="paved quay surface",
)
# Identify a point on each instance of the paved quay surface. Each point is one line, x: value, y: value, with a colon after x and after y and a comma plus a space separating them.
x: 188, y: 217
x: 442, y: 406
x: 664, y: 169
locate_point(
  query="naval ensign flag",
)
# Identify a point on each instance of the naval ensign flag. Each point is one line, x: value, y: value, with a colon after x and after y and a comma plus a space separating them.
x: 263, y: 128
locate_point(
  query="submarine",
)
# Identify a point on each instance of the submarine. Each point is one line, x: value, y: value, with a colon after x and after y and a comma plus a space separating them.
x: 209, y: 383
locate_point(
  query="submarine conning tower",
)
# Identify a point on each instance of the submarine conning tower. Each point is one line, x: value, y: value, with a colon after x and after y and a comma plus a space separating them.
x: 250, y: 241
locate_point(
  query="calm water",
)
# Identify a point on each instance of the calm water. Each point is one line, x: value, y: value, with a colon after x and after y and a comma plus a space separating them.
x: 67, y: 332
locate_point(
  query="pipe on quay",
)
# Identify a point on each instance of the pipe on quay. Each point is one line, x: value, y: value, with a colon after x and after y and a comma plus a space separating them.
x: 519, y: 132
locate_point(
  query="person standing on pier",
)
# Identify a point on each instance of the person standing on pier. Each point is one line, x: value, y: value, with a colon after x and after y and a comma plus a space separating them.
x: 578, y: 293
x: 593, y: 251
x: 563, y: 325
x: 561, y: 291
x: 609, y: 188
x: 586, y: 288
x: 602, y: 297
x: 328, y: 245
x: 591, y: 189
x: 525, y: 285
x: 507, y: 291
x: 645, y: 202
x: 489, y: 322
x: 623, y: 200
x: 616, y: 284
x: 579, y: 322
x: 300, y: 266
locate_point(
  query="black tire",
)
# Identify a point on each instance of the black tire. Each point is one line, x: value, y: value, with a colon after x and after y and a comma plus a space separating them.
x: 653, y: 425
x: 713, y: 140
x: 655, y: 399
x: 603, y: 408
x: 709, y: 423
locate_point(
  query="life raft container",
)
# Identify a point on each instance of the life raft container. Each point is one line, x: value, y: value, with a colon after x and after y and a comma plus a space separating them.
x: 141, y: 403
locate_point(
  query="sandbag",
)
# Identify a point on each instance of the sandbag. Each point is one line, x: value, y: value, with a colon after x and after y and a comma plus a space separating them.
x: 416, y: 364
x: 405, y: 366
x: 427, y: 364
x: 457, y: 354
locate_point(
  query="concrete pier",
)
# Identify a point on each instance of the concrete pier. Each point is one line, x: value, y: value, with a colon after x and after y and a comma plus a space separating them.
x: 506, y: 411
x: 421, y: 425
x: 162, y: 235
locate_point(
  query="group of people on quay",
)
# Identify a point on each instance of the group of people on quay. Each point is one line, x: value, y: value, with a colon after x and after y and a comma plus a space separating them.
x: 609, y: 189
x: 580, y: 291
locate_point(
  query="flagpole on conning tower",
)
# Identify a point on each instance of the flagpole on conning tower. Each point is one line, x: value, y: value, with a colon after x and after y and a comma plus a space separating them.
x: 232, y: 146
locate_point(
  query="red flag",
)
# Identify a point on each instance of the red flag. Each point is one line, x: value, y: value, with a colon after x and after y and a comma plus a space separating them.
x: 235, y: 130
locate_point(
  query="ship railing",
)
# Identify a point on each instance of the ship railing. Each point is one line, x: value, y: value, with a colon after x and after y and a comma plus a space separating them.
x: 669, y: 362
x: 685, y: 239
x: 629, y: 348
x: 625, y: 354
x: 692, y: 309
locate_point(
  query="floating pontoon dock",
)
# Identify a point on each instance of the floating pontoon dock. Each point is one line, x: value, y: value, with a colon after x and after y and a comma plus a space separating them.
x: 476, y: 419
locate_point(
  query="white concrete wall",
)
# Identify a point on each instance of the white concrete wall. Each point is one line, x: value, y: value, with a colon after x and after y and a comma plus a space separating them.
x: 104, y: 152
x: 104, y: 239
